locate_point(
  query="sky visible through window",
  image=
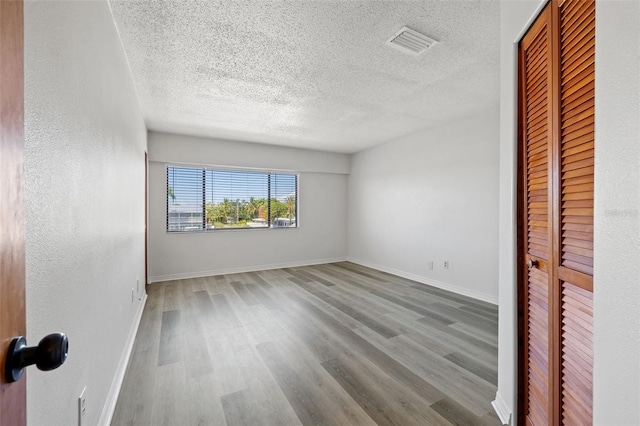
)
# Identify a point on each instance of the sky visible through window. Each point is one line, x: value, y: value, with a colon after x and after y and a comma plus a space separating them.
x: 186, y: 185
x: 204, y: 199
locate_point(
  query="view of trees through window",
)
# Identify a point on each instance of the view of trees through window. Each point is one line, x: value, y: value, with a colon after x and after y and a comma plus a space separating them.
x: 206, y: 199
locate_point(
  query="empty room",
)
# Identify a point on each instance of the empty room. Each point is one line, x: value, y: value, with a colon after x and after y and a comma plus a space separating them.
x: 341, y: 212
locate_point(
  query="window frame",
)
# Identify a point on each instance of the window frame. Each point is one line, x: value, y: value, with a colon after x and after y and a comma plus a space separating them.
x: 205, y: 228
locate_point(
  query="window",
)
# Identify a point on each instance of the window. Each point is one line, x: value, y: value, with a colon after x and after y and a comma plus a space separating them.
x: 201, y: 199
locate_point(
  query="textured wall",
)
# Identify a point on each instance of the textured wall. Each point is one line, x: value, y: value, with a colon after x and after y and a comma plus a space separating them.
x: 617, y: 215
x: 84, y: 164
x: 168, y: 147
x: 322, y: 211
x: 431, y: 196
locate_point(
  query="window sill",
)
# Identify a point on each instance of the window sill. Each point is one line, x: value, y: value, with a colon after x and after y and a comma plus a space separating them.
x: 212, y: 231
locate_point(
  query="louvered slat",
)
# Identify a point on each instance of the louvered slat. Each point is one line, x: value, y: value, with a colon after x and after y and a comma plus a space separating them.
x: 536, y: 74
x: 536, y: 106
x: 577, y: 30
x: 538, y: 347
x: 577, y: 354
x: 577, y: 105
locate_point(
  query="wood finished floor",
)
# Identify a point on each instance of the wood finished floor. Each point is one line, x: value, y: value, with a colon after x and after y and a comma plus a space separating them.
x: 336, y: 344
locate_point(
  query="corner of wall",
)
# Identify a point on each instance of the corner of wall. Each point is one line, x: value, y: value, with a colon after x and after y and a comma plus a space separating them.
x: 429, y: 198
x: 243, y: 269
x: 428, y: 281
x: 118, y: 378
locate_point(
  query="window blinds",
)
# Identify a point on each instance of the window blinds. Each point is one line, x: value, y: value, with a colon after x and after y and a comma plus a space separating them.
x: 200, y: 199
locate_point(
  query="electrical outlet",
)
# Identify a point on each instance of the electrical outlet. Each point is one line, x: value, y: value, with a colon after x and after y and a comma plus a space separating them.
x: 430, y: 265
x: 446, y: 264
x: 82, y: 407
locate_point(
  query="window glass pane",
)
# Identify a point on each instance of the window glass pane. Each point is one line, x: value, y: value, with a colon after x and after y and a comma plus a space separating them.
x: 283, y: 200
x: 184, y: 199
x: 236, y: 199
x: 203, y: 199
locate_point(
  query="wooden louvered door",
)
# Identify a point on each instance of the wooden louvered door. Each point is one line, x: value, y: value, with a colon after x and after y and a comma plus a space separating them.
x: 575, y: 239
x: 556, y: 169
x: 536, y: 110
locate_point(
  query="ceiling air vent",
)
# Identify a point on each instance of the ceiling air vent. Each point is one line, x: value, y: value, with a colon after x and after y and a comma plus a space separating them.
x: 410, y: 41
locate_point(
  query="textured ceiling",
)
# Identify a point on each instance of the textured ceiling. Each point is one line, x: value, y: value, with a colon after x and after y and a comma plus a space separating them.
x: 310, y: 74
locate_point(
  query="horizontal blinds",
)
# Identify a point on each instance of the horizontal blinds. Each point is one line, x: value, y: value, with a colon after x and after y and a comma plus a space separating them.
x: 284, y: 200
x: 206, y: 199
x: 184, y: 199
x: 231, y: 185
x: 236, y: 199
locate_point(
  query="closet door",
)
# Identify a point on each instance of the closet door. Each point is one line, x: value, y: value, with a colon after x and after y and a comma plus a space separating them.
x: 575, y: 258
x: 555, y: 228
x: 536, y: 169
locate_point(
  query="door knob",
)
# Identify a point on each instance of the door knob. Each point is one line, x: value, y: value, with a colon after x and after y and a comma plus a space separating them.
x: 50, y: 354
x: 531, y: 263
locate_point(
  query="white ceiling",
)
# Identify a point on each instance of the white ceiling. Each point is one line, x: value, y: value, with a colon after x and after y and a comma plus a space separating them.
x: 309, y: 74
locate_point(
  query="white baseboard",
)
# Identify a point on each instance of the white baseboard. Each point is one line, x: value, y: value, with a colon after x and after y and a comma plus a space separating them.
x: 429, y: 281
x: 116, y: 384
x: 502, y: 410
x: 243, y: 269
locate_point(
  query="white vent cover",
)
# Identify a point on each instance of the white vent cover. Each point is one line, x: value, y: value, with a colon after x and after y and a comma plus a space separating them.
x: 410, y: 41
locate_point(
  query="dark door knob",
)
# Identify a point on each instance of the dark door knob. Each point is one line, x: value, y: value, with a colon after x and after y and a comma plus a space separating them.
x: 50, y: 354
x: 531, y: 263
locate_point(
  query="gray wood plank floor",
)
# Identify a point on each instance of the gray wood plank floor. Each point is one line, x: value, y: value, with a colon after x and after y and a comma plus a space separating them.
x: 336, y: 344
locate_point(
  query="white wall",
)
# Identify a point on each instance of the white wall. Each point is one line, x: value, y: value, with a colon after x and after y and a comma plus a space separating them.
x: 514, y: 18
x: 616, y: 341
x: 84, y: 164
x: 617, y: 213
x: 181, y: 149
x: 322, y: 213
x: 431, y: 196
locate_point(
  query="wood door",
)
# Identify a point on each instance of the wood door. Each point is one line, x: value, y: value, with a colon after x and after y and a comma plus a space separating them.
x: 555, y: 237
x: 575, y: 212
x: 536, y: 167
x: 12, y: 302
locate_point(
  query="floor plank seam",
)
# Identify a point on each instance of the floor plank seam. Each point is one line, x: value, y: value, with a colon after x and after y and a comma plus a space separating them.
x: 333, y: 344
